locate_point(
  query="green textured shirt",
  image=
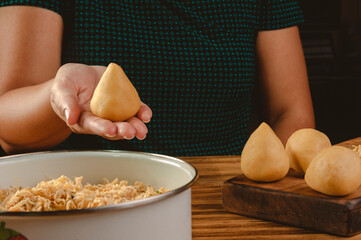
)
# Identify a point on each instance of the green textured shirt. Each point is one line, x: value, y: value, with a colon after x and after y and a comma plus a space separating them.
x: 192, y: 62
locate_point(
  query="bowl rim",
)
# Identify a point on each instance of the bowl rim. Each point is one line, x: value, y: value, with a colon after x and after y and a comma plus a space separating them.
x: 113, y: 207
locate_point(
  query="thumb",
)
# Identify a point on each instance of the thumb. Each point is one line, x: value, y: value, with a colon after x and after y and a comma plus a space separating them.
x: 71, y: 111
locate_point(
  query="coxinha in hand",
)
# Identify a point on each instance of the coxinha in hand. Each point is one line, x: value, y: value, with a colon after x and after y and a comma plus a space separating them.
x: 115, y: 98
x: 331, y: 170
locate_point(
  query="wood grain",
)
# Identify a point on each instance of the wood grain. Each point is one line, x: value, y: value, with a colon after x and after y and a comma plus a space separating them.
x: 291, y: 201
x: 212, y: 221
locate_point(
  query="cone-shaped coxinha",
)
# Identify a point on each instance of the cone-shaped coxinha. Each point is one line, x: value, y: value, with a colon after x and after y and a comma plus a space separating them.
x: 115, y: 97
x: 264, y: 157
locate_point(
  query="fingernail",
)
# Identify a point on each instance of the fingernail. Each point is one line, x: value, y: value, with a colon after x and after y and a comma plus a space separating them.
x: 146, y: 118
x: 110, y: 136
x: 142, y: 138
x: 66, y: 113
x: 128, y: 138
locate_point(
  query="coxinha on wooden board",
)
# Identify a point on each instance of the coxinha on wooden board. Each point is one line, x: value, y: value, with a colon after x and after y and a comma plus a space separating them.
x: 331, y: 170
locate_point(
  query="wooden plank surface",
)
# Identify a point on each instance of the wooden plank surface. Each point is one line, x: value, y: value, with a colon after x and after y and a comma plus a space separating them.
x: 211, y: 221
x: 291, y: 201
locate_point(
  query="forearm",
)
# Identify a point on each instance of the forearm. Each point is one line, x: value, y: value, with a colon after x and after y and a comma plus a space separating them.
x: 30, y: 55
x: 283, y: 83
x: 28, y: 121
x: 287, y: 123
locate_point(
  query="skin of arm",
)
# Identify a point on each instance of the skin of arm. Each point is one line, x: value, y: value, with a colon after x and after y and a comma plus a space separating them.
x: 35, y: 90
x: 283, y: 83
x: 30, y: 55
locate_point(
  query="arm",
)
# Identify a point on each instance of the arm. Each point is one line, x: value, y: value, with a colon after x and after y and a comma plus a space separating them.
x: 30, y: 53
x: 35, y: 90
x: 283, y: 82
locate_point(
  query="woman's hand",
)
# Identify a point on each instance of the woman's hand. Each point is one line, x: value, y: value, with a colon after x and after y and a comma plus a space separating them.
x: 71, y: 93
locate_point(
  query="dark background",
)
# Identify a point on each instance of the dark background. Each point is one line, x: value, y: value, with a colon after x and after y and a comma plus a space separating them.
x: 331, y: 38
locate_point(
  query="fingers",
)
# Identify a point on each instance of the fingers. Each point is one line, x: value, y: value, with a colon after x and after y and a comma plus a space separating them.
x: 125, y: 130
x: 90, y: 124
x: 133, y: 127
x: 84, y: 121
x: 71, y: 110
x: 64, y: 102
x: 141, y: 129
x: 144, y: 113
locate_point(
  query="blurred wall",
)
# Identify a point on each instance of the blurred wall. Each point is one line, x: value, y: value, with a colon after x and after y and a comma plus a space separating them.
x: 331, y: 38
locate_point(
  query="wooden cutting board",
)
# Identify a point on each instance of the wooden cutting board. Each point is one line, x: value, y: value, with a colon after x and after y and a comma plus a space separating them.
x: 290, y: 201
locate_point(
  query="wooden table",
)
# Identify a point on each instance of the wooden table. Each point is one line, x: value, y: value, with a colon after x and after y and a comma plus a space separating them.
x: 212, y: 222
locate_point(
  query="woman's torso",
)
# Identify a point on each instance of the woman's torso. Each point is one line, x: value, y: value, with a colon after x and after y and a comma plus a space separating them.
x: 192, y: 62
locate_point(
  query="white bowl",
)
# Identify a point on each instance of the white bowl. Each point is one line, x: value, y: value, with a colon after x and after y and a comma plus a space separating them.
x: 166, y: 216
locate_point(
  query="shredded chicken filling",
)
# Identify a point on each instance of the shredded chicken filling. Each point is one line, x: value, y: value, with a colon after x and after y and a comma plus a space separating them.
x: 65, y: 194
